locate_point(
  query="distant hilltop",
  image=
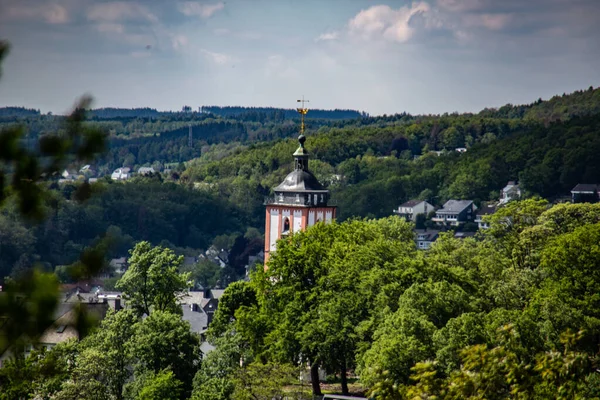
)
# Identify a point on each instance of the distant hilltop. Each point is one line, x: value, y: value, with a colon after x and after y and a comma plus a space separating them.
x: 259, y: 114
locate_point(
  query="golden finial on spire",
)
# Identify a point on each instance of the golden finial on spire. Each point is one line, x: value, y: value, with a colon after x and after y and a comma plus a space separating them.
x: 302, y: 112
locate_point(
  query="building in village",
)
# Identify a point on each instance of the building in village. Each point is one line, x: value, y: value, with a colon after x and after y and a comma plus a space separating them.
x: 510, y: 192
x: 412, y: 208
x: 425, y: 238
x: 481, y: 213
x: 300, y: 201
x: 455, y: 213
x: 585, y: 193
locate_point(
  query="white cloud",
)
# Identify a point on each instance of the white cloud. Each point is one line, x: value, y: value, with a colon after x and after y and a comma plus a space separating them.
x: 383, y: 21
x: 120, y: 11
x: 217, y: 58
x: 197, y: 9
x: 328, y: 36
x: 50, y: 13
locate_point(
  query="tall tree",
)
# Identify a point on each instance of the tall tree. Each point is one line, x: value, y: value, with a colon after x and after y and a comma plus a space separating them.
x: 153, y: 282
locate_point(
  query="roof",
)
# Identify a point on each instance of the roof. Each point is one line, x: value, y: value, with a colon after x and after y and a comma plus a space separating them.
x: 431, y: 234
x: 62, y: 329
x: 411, y: 203
x: 192, y: 297
x: 300, y: 181
x: 217, y: 293
x: 486, y: 210
x: 586, y: 187
x: 198, y: 319
x: 463, y: 235
x: 455, y: 206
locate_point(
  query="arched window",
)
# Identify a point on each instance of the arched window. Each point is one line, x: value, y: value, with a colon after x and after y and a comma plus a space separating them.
x: 286, y: 225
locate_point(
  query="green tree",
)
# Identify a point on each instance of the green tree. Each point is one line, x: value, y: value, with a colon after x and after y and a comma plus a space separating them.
x: 160, y: 386
x: 164, y: 341
x: 152, y: 281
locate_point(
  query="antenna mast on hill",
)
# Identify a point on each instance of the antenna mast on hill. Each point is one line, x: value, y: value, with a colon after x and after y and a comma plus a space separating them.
x: 302, y: 112
x: 190, y: 143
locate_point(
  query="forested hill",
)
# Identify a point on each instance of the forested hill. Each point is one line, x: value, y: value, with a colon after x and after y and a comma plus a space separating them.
x: 110, y: 112
x: 372, y: 169
x: 577, y: 104
x: 262, y: 114
x: 18, y: 112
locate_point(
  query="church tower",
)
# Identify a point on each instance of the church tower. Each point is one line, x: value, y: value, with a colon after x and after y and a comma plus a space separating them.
x: 300, y: 200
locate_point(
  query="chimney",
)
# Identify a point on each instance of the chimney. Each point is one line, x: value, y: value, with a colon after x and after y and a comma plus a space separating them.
x: 194, y: 307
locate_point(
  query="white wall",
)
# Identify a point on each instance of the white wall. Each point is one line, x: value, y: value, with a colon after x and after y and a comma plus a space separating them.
x: 274, y: 229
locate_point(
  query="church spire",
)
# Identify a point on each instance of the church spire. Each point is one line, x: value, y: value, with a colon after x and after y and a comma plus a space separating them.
x: 303, y: 111
x: 301, y: 154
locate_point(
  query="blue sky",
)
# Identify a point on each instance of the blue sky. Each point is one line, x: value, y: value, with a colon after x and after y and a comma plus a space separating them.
x: 429, y: 56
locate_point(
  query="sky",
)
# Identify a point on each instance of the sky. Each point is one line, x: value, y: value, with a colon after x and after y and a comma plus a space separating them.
x: 382, y: 57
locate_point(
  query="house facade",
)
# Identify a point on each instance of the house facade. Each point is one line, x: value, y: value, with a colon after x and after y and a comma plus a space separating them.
x: 121, y: 174
x: 480, y: 216
x: 586, y: 193
x: 425, y: 238
x: 412, y: 208
x: 455, y: 213
x: 511, y: 191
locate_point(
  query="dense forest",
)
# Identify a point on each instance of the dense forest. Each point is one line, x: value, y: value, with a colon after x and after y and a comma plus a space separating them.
x: 262, y: 114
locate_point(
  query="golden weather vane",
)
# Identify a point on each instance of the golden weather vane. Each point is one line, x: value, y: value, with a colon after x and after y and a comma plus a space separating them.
x: 302, y: 112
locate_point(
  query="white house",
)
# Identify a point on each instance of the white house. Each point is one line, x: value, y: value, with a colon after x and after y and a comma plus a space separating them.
x: 146, y: 171
x: 121, y: 174
x: 481, y: 213
x: 69, y: 174
x: 510, y: 192
x: 412, y: 208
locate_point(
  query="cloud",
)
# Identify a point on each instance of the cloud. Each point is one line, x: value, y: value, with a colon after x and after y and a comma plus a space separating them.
x: 50, y: 13
x: 120, y: 11
x: 328, y: 36
x: 383, y: 21
x: 197, y: 9
x: 217, y: 58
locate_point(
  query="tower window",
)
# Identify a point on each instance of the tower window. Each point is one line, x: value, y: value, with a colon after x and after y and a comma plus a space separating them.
x: 286, y: 225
